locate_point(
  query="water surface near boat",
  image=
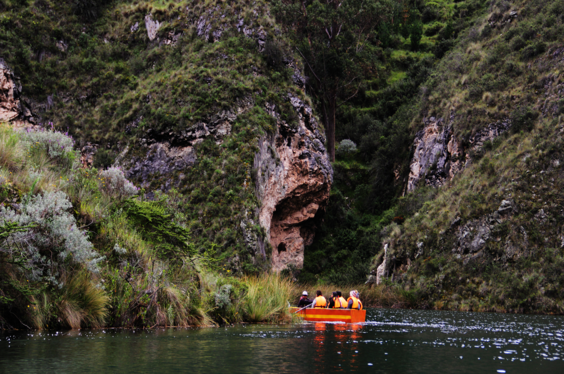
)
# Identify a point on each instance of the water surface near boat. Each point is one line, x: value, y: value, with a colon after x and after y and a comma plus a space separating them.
x: 391, y: 341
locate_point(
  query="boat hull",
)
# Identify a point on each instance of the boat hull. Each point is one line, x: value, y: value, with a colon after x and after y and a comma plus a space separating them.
x: 331, y: 315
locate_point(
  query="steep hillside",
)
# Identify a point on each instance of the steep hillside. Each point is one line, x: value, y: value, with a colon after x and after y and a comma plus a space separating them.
x: 488, y: 233
x: 375, y: 133
x: 202, y: 98
x: 201, y: 106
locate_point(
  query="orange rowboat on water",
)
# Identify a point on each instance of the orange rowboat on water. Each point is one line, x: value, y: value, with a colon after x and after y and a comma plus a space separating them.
x: 331, y: 315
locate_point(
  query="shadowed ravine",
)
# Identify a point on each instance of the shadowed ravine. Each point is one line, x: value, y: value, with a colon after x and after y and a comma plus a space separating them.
x: 392, y: 341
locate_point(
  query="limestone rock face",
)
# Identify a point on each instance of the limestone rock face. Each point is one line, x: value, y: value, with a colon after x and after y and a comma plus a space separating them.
x: 152, y: 27
x: 168, y: 151
x: 294, y: 178
x: 10, y: 90
x: 438, y: 156
x: 381, y: 271
x: 161, y: 159
x: 472, y: 237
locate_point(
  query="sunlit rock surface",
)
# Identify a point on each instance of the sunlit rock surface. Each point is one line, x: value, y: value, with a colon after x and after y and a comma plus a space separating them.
x: 294, y: 179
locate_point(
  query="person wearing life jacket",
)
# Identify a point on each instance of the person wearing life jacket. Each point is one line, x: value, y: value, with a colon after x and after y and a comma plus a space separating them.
x: 319, y: 301
x: 340, y: 301
x: 304, y: 301
x: 354, y: 301
x: 331, y: 303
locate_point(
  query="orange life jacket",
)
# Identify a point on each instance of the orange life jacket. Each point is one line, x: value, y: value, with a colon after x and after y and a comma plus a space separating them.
x: 340, y: 302
x: 357, y: 304
x: 320, y: 302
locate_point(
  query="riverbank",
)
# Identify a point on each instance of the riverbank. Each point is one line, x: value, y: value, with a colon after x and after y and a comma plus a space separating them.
x: 393, y: 296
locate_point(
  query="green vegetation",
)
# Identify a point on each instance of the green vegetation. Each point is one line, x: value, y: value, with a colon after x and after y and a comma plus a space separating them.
x: 173, y: 253
x: 135, y: 266
x: 497, y: 70
x: 110, y: 85
x: 496, y: 63
x: 382, y: 121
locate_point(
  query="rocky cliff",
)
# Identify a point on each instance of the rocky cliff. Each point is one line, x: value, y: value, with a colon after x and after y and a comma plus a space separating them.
x: 12, y: 107
x: 203, y: 100
x: 490, y: 238
x: 294, y: 179
x: 438, y: 156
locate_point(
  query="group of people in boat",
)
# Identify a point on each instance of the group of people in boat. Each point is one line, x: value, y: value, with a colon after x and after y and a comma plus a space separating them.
x: 336, y: 301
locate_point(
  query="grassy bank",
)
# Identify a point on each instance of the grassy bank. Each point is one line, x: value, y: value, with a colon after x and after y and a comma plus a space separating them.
x: 84, y: 248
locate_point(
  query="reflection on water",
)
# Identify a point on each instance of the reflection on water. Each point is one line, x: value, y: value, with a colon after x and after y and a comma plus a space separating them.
x: 392, y: 341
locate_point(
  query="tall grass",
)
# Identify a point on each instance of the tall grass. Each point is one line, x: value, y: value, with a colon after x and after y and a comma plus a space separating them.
x: 83, y: 303
x: 10, y: 153
x: 266, y: 299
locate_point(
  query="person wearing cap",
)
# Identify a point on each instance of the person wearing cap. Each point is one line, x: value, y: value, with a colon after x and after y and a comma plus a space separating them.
x: 354, y: 301
x: 304, y: 301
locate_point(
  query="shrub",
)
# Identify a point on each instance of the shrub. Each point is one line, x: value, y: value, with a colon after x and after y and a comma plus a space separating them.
x: 114, y: 184
x: 518, y: 43
x: 523, y: 119
x: 55, y: 143
x: 274, y: 55
x: 51, y: 238
x: 104, y: 158
x: 486, y: 32
x: 346, y: 146
x: 533, y: 50
x: 416, y: 35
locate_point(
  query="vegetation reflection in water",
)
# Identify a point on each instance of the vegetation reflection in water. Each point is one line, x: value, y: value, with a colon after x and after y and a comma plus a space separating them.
x: 392, y: 341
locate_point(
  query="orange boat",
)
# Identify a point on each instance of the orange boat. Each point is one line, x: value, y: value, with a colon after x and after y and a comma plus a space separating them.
x: 331, y: 315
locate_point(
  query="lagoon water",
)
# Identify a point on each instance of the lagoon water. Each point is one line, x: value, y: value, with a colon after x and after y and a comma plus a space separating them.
x: 392, y: 341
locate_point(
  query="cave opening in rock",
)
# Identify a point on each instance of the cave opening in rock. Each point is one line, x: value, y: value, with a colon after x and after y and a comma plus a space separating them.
x: 281, y: 247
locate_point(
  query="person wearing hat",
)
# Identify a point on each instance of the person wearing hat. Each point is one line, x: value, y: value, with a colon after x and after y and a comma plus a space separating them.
x: 354, y: 301
x: 304, y: 301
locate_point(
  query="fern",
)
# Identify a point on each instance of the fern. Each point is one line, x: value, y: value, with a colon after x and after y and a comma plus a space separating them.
x: 157, y: 227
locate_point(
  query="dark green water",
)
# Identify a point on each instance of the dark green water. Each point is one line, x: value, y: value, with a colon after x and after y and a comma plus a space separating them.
x: 393, y: 341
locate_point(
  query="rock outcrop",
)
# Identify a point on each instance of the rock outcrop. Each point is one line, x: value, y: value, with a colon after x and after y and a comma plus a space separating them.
x: 293, y: 176
x: 294, y: 179
x: 151, y: 25
x: 12, y: 108
x: 438, y: 156
x: 168, y: 151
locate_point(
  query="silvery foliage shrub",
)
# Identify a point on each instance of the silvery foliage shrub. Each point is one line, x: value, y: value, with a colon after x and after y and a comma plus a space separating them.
x: 222, y: 299
x: 54, y: 239
x: 119, y: 250
x: 115, y: 184
x: 54, y: 142
x: 346, y: 146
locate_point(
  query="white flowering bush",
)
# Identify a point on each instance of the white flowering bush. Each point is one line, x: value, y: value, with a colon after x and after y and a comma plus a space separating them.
x: 52, y: 239
x: 346, y: 146
x: 57, y: 144
x: 114, y: 184
x: 119, y: 250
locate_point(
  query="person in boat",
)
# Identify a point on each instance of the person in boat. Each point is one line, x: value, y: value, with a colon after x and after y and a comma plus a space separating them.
x: 331, y: 303
x: 304, y: 300
x: 354, y: 300
x: 340, y: 301
x: 319, y: 301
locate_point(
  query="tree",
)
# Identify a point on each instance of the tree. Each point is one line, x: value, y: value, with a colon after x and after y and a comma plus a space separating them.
x: 332, y: 37
x: 416, y: 35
